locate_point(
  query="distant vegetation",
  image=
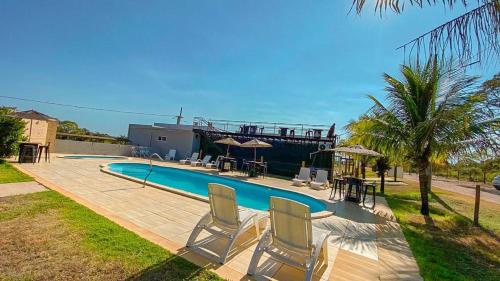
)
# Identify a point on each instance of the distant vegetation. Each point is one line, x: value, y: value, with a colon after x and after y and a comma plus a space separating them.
x: 71, y: 127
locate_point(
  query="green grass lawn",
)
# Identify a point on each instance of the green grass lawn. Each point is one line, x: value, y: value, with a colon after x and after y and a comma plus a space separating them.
x: 9, y: 174
x: 447, y: 246
x: 46, y: 236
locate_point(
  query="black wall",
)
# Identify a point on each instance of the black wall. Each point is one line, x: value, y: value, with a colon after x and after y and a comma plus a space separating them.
x: 284, y: 158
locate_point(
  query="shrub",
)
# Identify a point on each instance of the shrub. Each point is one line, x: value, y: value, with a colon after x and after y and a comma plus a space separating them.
x: 11, y: 132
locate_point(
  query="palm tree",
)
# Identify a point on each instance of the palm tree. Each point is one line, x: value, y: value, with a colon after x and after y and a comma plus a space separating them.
x: 430, y: 112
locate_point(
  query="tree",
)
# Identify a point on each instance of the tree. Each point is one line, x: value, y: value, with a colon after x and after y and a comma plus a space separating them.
x: 471, y: 37
x: 430, y: 112
x: 69, y: 127
x: 11, y: 132
x: 381, y: 167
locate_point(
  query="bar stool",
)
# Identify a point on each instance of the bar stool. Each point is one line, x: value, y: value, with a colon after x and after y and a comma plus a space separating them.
x: 245, y: 167
x: 338, y: 183
x: 234, y: 165
x: 264, y: 169
x: 47, y: 152
x: 372, y: 186
x: 357, y: 184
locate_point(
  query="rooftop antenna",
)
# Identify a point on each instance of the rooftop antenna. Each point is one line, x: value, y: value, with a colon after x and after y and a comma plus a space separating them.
x: 179, y: 117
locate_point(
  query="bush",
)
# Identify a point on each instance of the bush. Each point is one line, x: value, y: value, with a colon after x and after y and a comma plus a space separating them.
x: 11, y: 132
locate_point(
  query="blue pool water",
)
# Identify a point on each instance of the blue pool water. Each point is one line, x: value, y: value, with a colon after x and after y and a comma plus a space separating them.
x: 247, y: 194
x: 93, y: 157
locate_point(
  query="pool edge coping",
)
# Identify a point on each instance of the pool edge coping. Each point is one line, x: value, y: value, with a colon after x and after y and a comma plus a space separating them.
x: 105, y: 169
x: 110, y: 157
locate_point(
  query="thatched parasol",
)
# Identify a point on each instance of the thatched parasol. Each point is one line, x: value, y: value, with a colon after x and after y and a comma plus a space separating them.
x: 255, y: 143
x: 356, y: 149
x: 229, y: 141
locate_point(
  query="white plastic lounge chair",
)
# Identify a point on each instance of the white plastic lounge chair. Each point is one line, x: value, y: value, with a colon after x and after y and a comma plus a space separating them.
x: 134, y: 151
x: 202, y: 162
x: 291, y: 238
x: 225, y: 218
x: 303, y: 177
x: 214, y: 164
x: 321, y: 180
x: 170, y: 155
x: 187, y: 161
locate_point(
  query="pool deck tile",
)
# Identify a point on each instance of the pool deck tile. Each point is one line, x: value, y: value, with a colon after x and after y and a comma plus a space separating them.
x: 365, y: 244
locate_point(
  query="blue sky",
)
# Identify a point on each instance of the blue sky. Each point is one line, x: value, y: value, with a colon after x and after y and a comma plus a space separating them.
x: 283, y: 61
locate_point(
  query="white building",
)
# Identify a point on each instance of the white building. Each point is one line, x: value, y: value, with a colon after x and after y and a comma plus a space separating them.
x: 162, y: 137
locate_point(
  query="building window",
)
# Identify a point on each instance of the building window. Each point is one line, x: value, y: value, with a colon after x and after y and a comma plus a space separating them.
x: 161, y: 138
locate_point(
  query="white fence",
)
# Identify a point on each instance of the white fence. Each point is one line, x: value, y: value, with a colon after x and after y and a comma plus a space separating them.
x: 86, y: 147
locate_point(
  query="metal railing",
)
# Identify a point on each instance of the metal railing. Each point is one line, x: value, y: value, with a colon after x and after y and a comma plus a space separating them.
x: 259, y: 128
x: 151, y: 167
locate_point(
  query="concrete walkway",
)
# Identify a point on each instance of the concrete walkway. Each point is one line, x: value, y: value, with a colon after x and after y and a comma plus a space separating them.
x: 365, y: 245
x: 9, y: 189
x: 488, y: 193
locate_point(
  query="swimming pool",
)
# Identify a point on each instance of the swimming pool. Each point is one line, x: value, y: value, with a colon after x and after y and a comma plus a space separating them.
x: 92, y: 157
x: 247, y: 194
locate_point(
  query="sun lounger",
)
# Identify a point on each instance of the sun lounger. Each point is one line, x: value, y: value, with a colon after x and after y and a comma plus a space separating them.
x: 321, y: 180
x: 291, y: 238
x: 214, y: 164
x: 225, y: 219
x: 202, y: 162
x: 187, y: 161
x: 303, y: 177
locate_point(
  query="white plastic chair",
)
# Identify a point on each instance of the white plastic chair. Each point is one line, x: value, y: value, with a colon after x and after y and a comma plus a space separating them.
x: 321, y: 180
x: 291, y: 238
x: 202, y: 162
x: 225, y: 219
x: 187, y: 161
x: 134, y: 151
x: 214, y: 164
x: 170, y: 155
x: 303, y: 177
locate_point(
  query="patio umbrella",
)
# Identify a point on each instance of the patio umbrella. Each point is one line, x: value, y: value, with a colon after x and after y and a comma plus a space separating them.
x: 255, y: 143
x: 229, y: 142
x: 356, y: 149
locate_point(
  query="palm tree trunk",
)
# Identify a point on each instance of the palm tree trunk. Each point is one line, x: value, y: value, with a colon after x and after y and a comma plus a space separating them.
x: 424, y: 178
x: 382, y: 183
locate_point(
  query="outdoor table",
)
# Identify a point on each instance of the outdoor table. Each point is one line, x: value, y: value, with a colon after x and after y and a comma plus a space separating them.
x: 223, y: 164
x: 23, y: 150
x: 255, y: 165
x: 283, y: 131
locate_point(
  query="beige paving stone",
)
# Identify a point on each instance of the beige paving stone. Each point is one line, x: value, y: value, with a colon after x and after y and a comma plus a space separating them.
x: 363, y: 231
x: 170, y: 231
x: 350, y: 266
x: 364, y: 248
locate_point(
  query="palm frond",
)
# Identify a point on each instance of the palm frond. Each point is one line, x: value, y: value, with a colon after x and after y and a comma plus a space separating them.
x: 398, y: 6
x: 472, y: 37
